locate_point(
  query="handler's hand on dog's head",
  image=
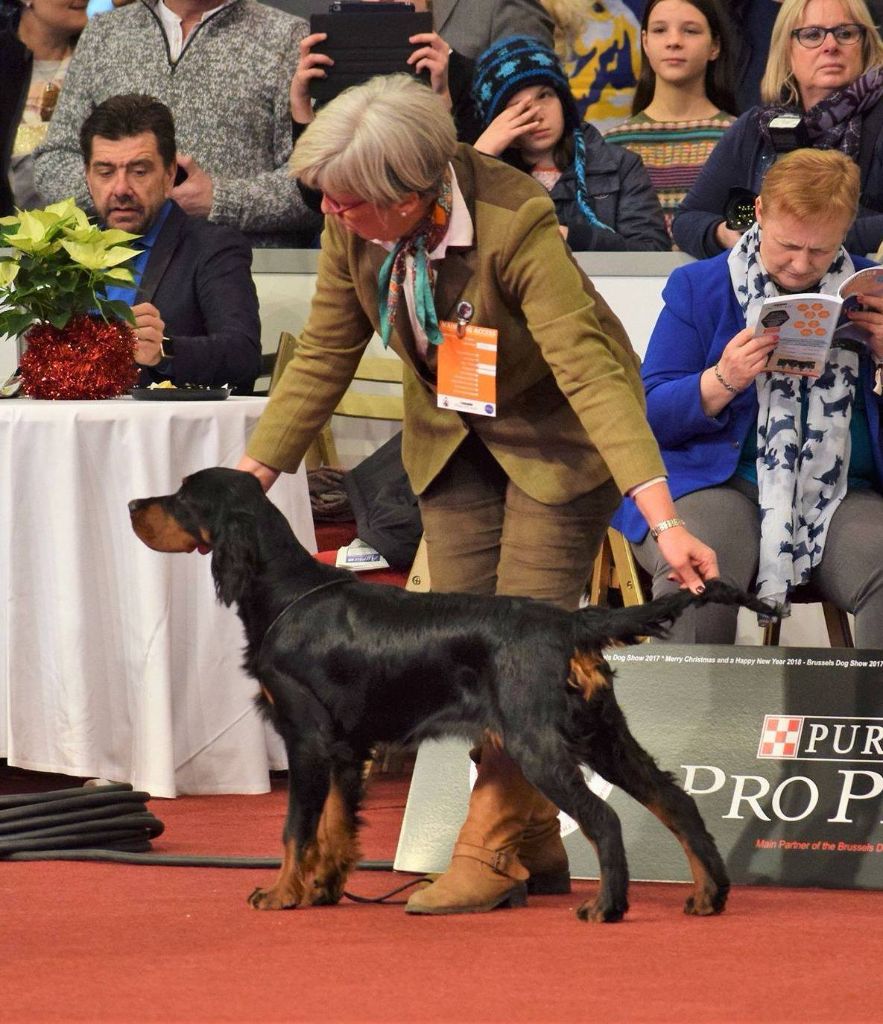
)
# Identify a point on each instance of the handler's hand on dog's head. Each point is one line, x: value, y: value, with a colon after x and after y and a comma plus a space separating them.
x: 266, y: 474
x: 691, y: 560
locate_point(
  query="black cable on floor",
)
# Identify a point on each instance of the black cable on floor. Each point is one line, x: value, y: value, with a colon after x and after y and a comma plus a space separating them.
x: 111, y: 823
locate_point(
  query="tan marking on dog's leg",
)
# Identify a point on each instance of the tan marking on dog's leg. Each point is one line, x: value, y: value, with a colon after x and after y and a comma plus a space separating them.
x: 587, y: 675
x: 705, y: 888
x: 288, y: 889
x: 338, y: 850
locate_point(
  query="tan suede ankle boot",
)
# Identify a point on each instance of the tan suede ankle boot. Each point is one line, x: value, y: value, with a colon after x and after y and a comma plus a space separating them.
x: 485, y: 871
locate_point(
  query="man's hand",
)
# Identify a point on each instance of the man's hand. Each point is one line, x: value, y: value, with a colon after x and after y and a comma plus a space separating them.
x: 310, y: 66
x: 432, y: 55
x: 149, y: 331
x: 870, y: 317
x: 196, y: 193
x: 726, y: 237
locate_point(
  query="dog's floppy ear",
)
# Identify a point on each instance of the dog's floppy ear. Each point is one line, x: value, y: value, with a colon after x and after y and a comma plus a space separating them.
x: 234, y: 556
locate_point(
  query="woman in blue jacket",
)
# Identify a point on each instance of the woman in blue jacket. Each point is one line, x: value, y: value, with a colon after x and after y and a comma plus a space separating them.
x: 825, y: 68
x: 603, y: 196
x: 782, y: 475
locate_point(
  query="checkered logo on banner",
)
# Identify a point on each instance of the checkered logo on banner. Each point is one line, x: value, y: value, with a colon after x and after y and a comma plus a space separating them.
x: 780, y: 736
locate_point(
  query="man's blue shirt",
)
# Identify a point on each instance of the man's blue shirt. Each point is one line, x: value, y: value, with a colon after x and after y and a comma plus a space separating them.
x: 129, y: 293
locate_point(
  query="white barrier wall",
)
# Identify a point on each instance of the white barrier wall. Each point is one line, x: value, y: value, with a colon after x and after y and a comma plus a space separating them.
x: 631, y: 282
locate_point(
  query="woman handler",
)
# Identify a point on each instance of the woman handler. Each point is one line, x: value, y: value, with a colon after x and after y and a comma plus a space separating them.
x: 516, y: 487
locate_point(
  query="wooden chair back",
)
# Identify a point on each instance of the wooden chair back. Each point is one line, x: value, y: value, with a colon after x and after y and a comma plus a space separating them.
x: 369, y: 397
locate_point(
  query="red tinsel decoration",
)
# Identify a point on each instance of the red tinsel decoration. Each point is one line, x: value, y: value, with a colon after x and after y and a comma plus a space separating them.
x: 89, y: 358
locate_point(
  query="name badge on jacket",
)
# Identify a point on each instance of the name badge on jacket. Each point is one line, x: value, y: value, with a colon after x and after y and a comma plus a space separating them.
x: 467, y: 368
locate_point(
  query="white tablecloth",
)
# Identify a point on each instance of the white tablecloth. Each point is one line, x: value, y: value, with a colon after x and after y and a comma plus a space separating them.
x: 115, y: 660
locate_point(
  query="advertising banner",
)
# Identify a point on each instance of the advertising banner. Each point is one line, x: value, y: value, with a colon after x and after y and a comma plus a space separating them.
x: 782, y: 748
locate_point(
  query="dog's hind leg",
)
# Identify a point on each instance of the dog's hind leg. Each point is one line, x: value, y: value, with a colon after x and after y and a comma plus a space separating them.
x: 558, y: 777
x: 621, y: 760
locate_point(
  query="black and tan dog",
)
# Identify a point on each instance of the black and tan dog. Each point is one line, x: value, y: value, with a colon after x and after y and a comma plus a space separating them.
x: 344, y: 665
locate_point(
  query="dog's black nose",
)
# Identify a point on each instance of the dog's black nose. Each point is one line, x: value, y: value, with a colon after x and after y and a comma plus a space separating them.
x: 135, y: 504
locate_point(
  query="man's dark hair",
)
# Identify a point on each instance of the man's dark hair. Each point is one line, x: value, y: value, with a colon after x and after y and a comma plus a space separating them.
x: 121, y: 117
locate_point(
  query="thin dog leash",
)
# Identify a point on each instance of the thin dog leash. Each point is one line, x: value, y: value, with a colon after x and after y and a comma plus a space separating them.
x: 300, y: 597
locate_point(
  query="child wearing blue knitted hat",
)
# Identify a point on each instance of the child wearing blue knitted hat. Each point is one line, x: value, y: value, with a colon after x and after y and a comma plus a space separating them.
x: 602, y: 193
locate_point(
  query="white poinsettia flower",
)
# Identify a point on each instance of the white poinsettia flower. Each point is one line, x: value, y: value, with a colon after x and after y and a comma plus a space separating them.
x: 95, y: 256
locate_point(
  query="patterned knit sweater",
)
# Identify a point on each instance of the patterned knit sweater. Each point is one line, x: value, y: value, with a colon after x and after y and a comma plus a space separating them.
x: 674, y: 152
x: 228, y: 92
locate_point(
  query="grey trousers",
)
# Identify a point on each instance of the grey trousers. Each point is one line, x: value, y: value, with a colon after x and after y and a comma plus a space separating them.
x: 484, y: 535
x: 850, y: 574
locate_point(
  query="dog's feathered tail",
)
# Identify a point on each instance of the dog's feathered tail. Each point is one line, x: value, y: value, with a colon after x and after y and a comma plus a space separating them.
x: 627, y: 625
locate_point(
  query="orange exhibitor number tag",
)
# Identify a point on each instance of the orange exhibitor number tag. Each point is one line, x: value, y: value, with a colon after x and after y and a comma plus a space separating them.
x: 467, y: 369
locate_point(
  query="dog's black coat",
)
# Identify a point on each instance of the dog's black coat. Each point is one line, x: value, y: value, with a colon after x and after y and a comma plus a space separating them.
x: 344, y: 665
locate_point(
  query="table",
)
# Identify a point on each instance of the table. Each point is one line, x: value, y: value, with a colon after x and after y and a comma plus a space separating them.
x: 116, y: 661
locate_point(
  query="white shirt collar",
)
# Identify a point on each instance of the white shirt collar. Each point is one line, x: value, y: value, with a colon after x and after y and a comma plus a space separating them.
x: 171, y: 24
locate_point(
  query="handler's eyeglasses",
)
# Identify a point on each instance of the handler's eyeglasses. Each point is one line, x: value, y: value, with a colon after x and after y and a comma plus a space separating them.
x: 812, y: 36
x: 333, y: 206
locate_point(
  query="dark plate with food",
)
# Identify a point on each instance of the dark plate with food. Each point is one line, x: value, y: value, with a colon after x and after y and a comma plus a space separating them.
x: 181, y: 393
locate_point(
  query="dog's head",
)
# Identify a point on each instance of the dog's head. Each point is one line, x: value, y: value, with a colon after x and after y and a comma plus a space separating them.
x: 214, y: 510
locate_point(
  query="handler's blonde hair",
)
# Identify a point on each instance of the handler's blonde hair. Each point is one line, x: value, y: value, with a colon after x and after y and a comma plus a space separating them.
x: 813, y: 185
x: 778, y: 84
x: 378, y: 142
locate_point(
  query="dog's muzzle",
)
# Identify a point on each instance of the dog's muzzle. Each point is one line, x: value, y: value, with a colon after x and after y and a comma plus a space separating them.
x: 159, y: 529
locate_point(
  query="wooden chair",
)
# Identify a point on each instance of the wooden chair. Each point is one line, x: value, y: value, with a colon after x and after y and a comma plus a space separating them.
x: 616, y: 579
x: 615, y: 572
x: 366, y: 401
x: 836, y: 620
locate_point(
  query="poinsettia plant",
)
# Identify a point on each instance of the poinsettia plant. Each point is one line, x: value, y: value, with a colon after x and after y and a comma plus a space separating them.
x: 59, y: 268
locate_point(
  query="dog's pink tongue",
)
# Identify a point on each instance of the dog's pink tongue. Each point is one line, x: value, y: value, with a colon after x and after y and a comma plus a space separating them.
x: 203, y: 548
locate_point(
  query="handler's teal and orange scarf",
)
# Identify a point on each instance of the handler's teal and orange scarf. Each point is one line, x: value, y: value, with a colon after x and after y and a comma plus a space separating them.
x: 422, y: 240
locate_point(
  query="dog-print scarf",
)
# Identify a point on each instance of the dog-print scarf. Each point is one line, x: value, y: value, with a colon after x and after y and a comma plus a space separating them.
x: 803, y: 441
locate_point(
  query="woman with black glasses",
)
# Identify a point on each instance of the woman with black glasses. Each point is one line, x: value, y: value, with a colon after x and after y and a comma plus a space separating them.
x: 823, y: 88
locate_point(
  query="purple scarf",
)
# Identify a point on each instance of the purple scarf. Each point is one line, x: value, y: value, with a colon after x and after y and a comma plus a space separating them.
x: 834, y: 122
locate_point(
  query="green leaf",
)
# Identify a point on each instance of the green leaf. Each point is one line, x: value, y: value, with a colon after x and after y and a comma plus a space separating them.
x: 59, y: 319
x: 118, y: 309
x: 15, y: 324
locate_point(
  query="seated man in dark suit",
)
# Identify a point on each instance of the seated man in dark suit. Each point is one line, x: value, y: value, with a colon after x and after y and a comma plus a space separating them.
x: 195, y: 304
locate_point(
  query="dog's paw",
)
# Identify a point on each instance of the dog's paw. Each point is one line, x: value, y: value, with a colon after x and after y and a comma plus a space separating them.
x: 706, y: 903
x: 272, y: 899
x: 326, y: 892
x: 601, y: 911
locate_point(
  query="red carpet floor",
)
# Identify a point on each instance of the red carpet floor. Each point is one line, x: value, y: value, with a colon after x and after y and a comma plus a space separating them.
x: 105, y: 942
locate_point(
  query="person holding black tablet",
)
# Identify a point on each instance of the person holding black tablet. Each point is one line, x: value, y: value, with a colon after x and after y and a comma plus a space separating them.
x: 447, y: 73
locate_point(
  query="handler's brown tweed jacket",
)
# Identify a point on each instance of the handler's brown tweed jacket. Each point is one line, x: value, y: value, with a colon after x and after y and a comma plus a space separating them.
x: 570, y: 405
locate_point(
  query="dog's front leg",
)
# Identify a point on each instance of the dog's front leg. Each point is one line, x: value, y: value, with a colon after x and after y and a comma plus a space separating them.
x: 308, y: 788
x: 288, y: 889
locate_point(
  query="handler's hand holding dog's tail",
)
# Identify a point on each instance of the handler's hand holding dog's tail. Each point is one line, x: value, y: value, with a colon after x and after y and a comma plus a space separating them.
x: 343, y: 665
